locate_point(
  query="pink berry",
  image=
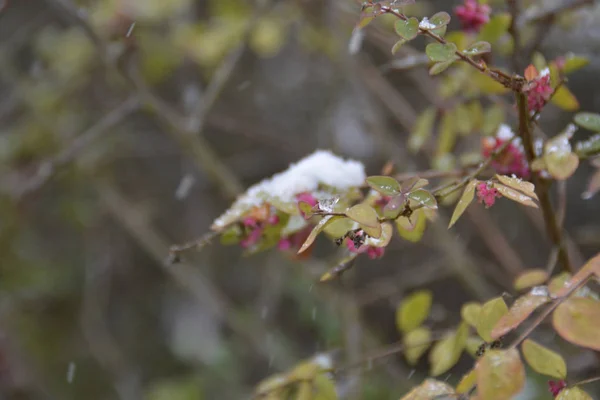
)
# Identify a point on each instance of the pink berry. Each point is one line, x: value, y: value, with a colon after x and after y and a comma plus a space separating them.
x: 472, y: 15
x: 487, y: 194
x: 556, y: 387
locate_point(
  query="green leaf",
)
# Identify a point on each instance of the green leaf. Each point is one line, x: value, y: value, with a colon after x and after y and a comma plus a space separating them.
x: 478, y: 48
x: 423, y: 198
x: 463, y: 203
x: 500, y: 375
x: 573, y: 63
x: 413, y: 310
x: 339, y: 227
x: 412, y: 229
x: 514, y: 195
x: 408, y: 29
x: 231, y: 235
x: 275, y: 385
x: 429, y: 389
x: 589, y: 147
x: 441, y: 31
x: 587, y: 120
x: 543, y: 360
x: 306, y: 209
x: 416, y: 343
x: 490, y: 314
x: 422, y: 130
x: 577, y: 320
x: 470, y: 313
x: 446, y: 353
x: 440, y: 19
x: 367, y: 217
x: 328, y: 219
x: 573, y: 393
x: 385, y: 185
x: 496, y: 28
x: 564, y: 99
x: 397, y: 45
x: 442, y: 66
x: 476, y: 114
x: 558, y: 282
x: 438, y: 52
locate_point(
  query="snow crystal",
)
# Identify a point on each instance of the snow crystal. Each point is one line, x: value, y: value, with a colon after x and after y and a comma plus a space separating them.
x: 320, y: 168
x: 504, y: 132
x: 425, y: 24
x: 323, y: 360
x: 545, y: 72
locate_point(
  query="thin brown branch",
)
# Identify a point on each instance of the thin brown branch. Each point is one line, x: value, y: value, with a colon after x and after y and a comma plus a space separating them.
x: 48, y: 168
x: 513, y: 29
x: 541, y: 185
x: 508, y: 81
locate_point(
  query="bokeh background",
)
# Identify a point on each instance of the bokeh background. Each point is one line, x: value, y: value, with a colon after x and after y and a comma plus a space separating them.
x: 124, y: 133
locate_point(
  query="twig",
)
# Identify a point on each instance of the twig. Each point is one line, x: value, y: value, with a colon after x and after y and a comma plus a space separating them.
x: 586, y: 381
x: 190, y: 141
x: 541, y: 185
x: 512, y: 82
x: 513, y: 29
x: 48, y: 168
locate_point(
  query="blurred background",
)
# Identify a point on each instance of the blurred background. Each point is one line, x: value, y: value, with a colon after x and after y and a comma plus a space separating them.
x: 127, y: 126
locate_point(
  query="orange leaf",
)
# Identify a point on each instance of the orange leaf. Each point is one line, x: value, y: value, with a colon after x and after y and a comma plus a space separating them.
x: 577, y: 320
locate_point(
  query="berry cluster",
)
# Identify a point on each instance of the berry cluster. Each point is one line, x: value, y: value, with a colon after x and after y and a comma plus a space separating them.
x: 472, y: 15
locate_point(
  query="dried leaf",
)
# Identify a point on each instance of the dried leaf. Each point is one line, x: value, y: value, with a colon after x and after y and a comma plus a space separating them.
x: 514, y: 195
x: 592, y: 267
x: 577, y: 320
x: 543, y: 360
x: 518, y: 184
x: 491, y: 312
x: 519, y: 311
x: 500, y: 374
x: 530, y: 278
x: 413, y: 310
x: 429, y: 389
x: 463, y: 203
x: 328, y: 219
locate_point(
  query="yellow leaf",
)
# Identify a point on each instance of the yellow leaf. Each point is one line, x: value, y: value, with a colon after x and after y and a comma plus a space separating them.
x: 416, y: 343
x: 564, y: 99
x: 467, y: 382
x: 530, y: 278
x: 573, y: 393
x: 413, y: 310
x: 577, y: 320
x: 446, y: 353
x: 429, y: 389
x: 500, y: 375
x: 490, y: 314
x: 544, y: 361
x: 463, y: 203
